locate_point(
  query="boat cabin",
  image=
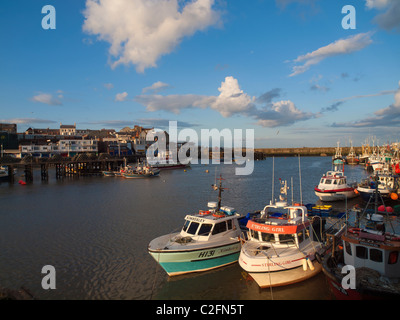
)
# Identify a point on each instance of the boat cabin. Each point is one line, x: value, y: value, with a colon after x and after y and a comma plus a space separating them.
x: 281, y: 227
x: 373, y: 248
x: 333, y: 178
x: 210, y: 223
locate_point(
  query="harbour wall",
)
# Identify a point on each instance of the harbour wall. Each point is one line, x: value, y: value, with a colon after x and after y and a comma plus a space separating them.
x: 305, y: 151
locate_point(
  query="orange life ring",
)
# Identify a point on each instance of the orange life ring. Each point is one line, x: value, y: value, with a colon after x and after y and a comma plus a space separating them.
x: 203, y: 212
x: 216, y: 215
x: 354, y: 230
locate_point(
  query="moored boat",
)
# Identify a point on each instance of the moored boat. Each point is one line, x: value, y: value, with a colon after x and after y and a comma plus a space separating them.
x: 281, y: 246
x: 333, y: 186
x: 388, y: 186
x: 141, y: 171
x: 364, y: 263
x: 209, y: 239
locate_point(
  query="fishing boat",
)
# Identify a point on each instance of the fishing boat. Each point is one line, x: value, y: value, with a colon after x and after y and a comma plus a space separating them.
x: 352, y: 158
x: 388, y: 185
x: 370, y: 255
x: 281, y: 246
x: 333, y: 185
x: 141, y: 171
x: 4, y: 171
x: 209, y: 239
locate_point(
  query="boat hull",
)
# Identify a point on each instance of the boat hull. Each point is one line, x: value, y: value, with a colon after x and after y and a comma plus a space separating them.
x: 335, y: 195
x: 287, y: 277
x: 139, y: 175
x: 178, y: 262
x: 366, y: 193
x: 361, y: 292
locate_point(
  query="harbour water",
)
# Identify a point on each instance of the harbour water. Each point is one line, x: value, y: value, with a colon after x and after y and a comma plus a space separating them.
x: 95, y: 231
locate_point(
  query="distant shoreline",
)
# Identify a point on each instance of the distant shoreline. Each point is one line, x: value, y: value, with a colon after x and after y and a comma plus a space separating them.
x: 305, y: 151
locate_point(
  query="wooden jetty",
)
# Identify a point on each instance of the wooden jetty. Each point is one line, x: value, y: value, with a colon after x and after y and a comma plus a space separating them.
x: 81, y: 165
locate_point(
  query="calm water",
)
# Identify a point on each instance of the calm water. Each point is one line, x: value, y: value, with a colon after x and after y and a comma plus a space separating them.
x: 95, y: 231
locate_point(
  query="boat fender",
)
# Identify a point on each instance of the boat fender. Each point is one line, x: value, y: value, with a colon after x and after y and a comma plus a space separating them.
x: 310, y: 264
x: 304, y: 264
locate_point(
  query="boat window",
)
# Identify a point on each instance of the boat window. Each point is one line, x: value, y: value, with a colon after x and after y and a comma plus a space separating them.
x: 335, y: 181
x: 375, y: 255
x: 219, y: 227
x: 267, y: 237
x: 393, y: 256
x: 361, y: 252
x: 193, y: 228
x: 254, y: 234
x: 328, y: 181
x: 186, y: 225
x: 348, y: 247
x: 229, y: 222
x: 205, y: 229
x: 322, y: 180
x: 286, y: 239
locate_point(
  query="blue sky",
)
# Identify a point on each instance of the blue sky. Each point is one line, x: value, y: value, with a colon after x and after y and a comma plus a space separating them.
x: 285, y: 68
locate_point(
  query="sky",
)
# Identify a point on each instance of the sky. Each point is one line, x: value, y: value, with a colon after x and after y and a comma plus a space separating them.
x: 291, y: 70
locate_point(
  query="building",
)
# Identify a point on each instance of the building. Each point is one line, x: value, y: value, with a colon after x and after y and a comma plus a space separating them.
x: 8, y: 127
x: 67, y: 130
x: 65, y: 148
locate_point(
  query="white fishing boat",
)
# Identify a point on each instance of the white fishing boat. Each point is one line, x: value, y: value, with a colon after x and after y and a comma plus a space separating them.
x: 281, y: 246
x: 333, y: 186
x: 209, y: 239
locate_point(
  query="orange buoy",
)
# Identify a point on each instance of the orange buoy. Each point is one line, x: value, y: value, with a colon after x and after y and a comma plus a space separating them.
x: 394, y: 196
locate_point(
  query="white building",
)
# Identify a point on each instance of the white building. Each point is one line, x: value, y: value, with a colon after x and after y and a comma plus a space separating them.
x: 62, y: 147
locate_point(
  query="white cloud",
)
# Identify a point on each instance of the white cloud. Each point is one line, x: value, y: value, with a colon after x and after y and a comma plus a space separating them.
x: 156, y: 87
x: 231, y: 99
x: 173, y: 103
x: 28, y: 121
x: 281, y: 113
x: 386, y: 117
x: 119, y: 97
x: 141, y: 31
x: 47, y: 98
x: 377, y: 4
x: 339, y: 47
x: 108, y: 86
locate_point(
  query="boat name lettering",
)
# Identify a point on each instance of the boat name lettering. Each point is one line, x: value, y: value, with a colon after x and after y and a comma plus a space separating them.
x: 206, y: 254
x: 371, y: 244
x: 195, y: 219
x: 271, y: 229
